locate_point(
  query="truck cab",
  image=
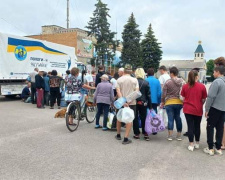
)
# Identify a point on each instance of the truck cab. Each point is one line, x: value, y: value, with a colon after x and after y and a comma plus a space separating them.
x: 81, y: 66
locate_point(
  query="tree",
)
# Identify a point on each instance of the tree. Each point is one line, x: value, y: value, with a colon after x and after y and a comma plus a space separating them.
x: 151, y: 50
x: 210, y: 68
x: 99, y: 27
x: 131, y: 52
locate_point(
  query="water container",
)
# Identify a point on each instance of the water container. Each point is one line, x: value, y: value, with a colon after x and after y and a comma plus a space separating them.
x: 133, y: 96
x: 120, y: 102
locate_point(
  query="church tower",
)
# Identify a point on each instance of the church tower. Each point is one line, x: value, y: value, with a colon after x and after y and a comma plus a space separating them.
x: 199, y: 52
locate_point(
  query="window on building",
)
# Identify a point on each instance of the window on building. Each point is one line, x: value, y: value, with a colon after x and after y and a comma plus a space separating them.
x: 198, y: 55
x: 202, y: 55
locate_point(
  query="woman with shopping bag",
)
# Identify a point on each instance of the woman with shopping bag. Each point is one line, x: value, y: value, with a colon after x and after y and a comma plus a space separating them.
x: 104, y: 97
x: 143, y: 103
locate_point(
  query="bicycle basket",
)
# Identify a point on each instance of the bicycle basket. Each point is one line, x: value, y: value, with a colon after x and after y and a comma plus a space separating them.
x: 90, y: 98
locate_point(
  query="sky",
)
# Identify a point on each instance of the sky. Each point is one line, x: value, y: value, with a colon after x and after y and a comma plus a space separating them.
x: 178, y: 24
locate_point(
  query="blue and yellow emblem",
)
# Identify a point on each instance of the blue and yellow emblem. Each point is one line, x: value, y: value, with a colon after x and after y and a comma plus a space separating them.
x: 21, y: 47
x: 20, y: 53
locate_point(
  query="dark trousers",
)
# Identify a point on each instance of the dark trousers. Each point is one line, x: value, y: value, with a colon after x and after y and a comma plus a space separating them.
x: 141, y: 111
x: 173, y: 112
x: 194, y: 127
x: 154, y: 106
x: 55, y: 95
x: 33, y: 93
x: 40, y: 98
x: 46, y: 98
x: 102, y: 107
x: 215, y: 120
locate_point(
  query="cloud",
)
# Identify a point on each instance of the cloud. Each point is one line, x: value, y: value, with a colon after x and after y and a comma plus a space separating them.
x: 178, y: 25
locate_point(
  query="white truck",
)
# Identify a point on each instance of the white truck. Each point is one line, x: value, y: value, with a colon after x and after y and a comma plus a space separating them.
x: 20, y: 55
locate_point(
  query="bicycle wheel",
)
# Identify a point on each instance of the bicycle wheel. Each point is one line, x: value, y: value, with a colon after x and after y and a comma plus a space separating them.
x: 74, y: 112
x: 90, y: 113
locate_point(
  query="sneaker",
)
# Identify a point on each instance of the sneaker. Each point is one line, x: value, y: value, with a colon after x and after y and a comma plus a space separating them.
x: 59, y: 107
x: 127, y: 142
x: 191, y: 148
x: 105, y: 129
x: 209, y: 151
x: 169, y: 138
x: 136, y: 137
x: 196, y: 146
x: 51, y: 107
x: 179, y: 138
x: 118, y: 137
x: 185, y: 134
x: 154, y: 133
x: 98, y: 126
x: 146, y: 138
x: 219, y: 152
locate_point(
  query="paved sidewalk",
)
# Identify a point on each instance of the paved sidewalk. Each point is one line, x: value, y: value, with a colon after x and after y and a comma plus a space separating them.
x: 34, y: 145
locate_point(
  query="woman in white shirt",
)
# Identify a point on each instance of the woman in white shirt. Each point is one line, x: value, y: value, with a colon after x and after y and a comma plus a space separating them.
x: 113, y: 81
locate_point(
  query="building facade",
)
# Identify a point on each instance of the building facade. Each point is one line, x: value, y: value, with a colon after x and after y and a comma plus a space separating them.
x: 185, y: 66
x: 73, y: 37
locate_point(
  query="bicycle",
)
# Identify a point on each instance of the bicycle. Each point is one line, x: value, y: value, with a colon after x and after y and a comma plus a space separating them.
x: 78, y: 111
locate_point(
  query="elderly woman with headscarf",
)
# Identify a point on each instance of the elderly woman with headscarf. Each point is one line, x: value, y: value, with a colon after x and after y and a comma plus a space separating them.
x: 143, y: 103
x: 104, y: 97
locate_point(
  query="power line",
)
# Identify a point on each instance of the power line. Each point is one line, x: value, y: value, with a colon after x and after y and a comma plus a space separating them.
x: 14, y: 26
x: 53, y: 14
x: 82, y: 24
x: 76, y: 14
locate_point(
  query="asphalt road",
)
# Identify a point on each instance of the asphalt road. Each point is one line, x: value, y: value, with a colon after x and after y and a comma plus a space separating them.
x: 34, y: 145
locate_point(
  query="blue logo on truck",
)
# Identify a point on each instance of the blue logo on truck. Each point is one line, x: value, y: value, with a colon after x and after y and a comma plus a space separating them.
x: 20, y: 53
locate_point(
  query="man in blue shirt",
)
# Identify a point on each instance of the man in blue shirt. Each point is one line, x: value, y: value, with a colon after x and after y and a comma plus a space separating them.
x: 155, y: 89
x: 26, y: 92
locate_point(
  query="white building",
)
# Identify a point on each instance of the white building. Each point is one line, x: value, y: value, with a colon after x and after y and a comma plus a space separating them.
x: 185, y: 66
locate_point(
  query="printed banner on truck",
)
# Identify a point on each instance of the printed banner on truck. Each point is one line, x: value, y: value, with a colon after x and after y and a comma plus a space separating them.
x: 19, y: 56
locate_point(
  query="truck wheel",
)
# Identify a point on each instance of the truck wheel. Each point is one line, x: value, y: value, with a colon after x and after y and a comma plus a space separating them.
x: 11, y: 96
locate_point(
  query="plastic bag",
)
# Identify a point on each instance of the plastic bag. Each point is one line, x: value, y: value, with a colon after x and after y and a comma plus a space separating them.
x: 72, y: 97
x: 125, y: 115
x: 154, y: 123
x: 162, y: 113
x: 91, y: 96
x: 133, y: 96
x: 110, y: 120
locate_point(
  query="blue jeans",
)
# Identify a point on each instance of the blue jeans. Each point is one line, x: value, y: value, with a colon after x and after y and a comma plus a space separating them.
x: 173, y: 112
x: 102, y: 107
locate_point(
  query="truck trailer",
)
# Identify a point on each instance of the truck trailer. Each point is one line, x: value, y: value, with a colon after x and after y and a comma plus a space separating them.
x: 20, y: 55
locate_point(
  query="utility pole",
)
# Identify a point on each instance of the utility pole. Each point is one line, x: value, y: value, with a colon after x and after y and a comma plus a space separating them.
x: 68, y: 14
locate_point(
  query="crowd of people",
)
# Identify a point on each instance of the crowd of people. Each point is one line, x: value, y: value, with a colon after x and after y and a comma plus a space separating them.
x: 170, y: 93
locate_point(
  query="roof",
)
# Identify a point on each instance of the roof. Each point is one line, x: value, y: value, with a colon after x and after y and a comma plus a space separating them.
x: 183, y: 64
x: 53, y: 26
x: 199, y: 49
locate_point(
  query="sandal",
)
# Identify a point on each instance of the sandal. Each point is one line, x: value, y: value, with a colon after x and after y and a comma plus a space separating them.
x: 223, y: 147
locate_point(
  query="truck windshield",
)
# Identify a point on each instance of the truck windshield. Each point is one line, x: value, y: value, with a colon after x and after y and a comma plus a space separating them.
x: 81, y: 67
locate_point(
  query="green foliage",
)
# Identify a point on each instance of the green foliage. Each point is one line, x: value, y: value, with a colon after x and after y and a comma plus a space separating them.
x: 151, y: 50
x: 131, y: 52
x: 210, y: 67
x: 99, y: 27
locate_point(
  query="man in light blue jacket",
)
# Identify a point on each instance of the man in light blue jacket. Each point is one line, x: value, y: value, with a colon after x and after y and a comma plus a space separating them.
x: 155, y: 88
